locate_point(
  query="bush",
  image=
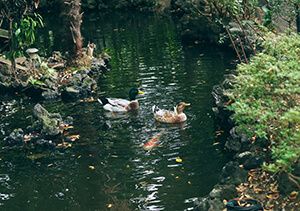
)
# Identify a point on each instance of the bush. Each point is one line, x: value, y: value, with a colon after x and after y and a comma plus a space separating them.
x: 266, y: 96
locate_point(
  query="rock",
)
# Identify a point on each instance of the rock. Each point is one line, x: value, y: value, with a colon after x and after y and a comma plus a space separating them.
x: 69, y: 120
x: 233, y: 174
x: 253, y: 163
x: 214, y: 201
x: 45, y: 144
x: 50, y: 123
x: 242, y: 157
x: 202, y: 204
x: 98, y: 65
x: 39, y: 111
x: 50, y: 94
x: 285, y: 185
x: 233, y: 145
x: 80, y: 85
x: 72, y: 90
x: 15, y: 138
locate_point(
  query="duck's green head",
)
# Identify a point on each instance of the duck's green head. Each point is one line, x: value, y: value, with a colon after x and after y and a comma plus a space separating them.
x: 134, y: 92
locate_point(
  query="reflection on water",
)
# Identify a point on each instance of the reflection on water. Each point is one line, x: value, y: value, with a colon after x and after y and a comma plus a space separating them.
x: 108, y: 167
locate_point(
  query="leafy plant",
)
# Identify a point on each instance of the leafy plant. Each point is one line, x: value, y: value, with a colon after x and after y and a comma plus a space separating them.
x: 266, y: 97
x: 24, y: 33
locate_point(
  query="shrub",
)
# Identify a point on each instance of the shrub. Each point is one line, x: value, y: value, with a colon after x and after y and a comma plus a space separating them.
x: 266, y: 96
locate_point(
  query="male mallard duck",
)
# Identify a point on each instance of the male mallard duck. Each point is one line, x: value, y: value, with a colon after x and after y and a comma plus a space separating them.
x: 166, y: 116
x: 121, y: 105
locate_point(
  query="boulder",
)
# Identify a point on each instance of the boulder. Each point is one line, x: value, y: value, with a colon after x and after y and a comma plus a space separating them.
x: 15, y: 138
x: 232, y: 173
x: 233, y: 145
x: 50, y: 122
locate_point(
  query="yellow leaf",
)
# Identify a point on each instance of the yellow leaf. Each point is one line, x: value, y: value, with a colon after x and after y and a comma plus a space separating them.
x: 272, y: 195
x: 178, y: 160
x: 74, y: 137
x: 109, y: 206
x: 293, y: 195
x: 64, y: 145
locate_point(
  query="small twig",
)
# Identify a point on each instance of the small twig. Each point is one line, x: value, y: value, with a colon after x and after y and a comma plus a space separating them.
x: 243, y: 49
x: 245, y: 35
x: 233, y: 43
x: 293, y: 180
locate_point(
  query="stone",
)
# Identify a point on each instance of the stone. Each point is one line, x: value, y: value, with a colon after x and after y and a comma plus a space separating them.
x: 202, y: 204
x: 285, y: 185
x: 242, y: 157
x: 42, y: 143
x: 233, y: 174
x: 16, y: 137
x: 50, y: 124
x: 253, y: 163
x: 50, y: 94
x: 233, y: 145
x: 214, y: 201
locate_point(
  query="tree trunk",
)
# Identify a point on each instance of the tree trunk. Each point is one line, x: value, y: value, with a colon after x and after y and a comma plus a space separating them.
x: 297, y: 7
x: 13, y: 59
x: 75, y: 18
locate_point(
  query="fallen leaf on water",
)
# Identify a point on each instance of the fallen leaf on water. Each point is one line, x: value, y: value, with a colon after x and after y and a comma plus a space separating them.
x: 64, y: 145
x: 272, y: 196
x: 109, y: 206
x: 36, y: 156
x: 219, y: 132
x: 177, y: 177
x: 293, y: 195
x: 88, y: 100
x: 178, y: 160
x: 189, y: 182
x: 92, y: 167
x: 257, y: 190
x: 274, y: 188
x: 74, y: 137
x: 66, y: 127
x: 216, y: 143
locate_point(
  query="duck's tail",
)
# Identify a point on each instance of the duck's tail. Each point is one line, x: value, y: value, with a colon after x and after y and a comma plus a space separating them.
x: 154, y: 109
x: 103, y: 100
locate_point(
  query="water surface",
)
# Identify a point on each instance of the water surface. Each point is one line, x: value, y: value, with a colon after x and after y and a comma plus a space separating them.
x: 146, y: 53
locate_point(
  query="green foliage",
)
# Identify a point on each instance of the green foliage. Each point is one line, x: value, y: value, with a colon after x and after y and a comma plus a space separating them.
x: 266, y: 97
x: 24, y: 34
x: 22, y: 23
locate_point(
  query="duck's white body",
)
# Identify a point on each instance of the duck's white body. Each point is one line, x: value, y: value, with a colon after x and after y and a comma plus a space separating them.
x: 120, y: 105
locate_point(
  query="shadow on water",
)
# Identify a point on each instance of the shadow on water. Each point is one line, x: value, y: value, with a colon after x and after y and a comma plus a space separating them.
x: 108, y: 167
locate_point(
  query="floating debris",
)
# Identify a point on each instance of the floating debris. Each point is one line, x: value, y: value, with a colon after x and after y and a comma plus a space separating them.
x: 178, y: 160
x: 64, y: 145
x: 92, y: 167
x: 73, y: 137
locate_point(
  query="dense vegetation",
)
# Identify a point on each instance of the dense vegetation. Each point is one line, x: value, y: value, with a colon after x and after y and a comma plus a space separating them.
x: 266, y: 99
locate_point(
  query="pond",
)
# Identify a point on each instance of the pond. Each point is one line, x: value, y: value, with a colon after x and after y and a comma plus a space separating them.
x: 107, y: 167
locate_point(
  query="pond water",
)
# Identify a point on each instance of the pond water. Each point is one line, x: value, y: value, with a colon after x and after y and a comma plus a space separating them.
x: 146, y: 53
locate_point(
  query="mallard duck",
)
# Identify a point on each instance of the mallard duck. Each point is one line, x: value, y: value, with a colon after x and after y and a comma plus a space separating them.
x: 167, y: 116
x: 121, y: 105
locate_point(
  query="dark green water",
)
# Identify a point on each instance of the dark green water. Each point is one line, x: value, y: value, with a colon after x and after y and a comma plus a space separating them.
x: 147, y: 53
